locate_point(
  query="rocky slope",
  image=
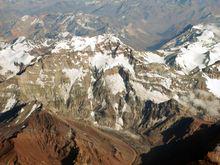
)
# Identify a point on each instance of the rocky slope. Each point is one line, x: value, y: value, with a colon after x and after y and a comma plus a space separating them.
x: 95, y: 100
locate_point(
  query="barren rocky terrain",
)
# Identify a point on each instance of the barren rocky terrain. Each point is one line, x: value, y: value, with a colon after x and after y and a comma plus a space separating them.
x: 74, y: 91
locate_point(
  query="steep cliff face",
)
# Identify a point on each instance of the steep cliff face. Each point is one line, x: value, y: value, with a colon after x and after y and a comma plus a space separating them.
x: 98, y: 87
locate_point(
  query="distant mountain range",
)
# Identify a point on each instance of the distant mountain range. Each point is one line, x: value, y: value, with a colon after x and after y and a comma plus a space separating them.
x: 143, y: 24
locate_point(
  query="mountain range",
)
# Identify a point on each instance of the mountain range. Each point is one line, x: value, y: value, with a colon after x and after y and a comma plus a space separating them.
x: 109, y: 82
x: 142, y: 24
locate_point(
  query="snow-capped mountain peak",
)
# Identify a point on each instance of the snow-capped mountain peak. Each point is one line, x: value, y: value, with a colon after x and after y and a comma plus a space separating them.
x: 196, y: 48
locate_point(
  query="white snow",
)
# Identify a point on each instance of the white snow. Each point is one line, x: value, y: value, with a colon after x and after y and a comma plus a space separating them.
x: 119, y: 121
x: 10, y: 104
x: 153, y: 58
x: 16, y: 53
x: 191, y: 57
x: 90, y: 93
x: 213, y: 85
x: 141, y: 92
x: 153, y: 95
x: 214, y: 54
x: 73, y: 75
x: 166, y: 82
x: 92, y: 114
x: 35, y: 106
x: 103, y: 61
x: 45, y: 43
x: 81, y: 43
x: 115, y: 83
x: 126, y: 108
x: 62, y: 45
x: 77, y: 43
x: 41, y: 78
x: 202, y: 52
x: 206, y: 36
x: 210, y: 27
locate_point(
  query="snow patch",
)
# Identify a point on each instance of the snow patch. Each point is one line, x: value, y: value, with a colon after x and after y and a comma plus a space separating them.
x: 77, y: 43
x: 35, y: 106
x: 105, y: 62
x: 62, y: 45
x: 214, y: 54
x: 73, y: 75
x: 40, y: 80
x: 81, y: 43
x: 191, y: 57
x: 153, y: 58
x: 119, y: 121
x: 153, y: 95
x: 12, y: 54
x: 213, y: 85
x: 204, y: 51
x: 115, y: 83
x: 10, y: 104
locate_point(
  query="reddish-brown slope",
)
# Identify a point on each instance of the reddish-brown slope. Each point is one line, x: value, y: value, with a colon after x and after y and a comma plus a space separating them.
x: 49, y: 140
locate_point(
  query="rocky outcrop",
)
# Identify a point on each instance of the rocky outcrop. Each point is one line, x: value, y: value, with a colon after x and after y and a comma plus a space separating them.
x: 45, y: 140
x: 214, y: 156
